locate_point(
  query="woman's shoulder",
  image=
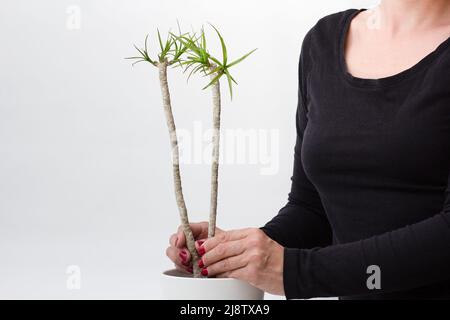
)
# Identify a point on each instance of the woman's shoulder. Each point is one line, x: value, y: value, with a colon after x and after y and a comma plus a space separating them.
x: 329, y: 25
x: 322, y: 40
x: 332, y: 20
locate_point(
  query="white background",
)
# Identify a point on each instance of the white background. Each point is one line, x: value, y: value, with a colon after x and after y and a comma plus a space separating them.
x: 85, y: 173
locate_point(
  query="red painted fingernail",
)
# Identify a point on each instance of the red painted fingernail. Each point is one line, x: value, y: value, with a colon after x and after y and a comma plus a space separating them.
x: 204, y: 272
x: 201, y: 250
x: 200, y: 263
x: 182, y: 256
x: 190, y: 269
x: 200, y: 242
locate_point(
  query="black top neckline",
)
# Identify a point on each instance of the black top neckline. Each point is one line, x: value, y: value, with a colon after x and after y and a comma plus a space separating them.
x: 385, y: 81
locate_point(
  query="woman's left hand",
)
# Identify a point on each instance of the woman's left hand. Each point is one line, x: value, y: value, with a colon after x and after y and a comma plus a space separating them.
x: 246, y: 254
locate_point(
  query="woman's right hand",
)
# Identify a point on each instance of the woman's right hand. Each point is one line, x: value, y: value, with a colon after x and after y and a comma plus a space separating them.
x: 178, y: 252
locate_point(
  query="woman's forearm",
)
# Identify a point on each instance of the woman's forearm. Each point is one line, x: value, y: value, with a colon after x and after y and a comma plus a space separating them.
x: 297, y: 226
x: 410, y: 257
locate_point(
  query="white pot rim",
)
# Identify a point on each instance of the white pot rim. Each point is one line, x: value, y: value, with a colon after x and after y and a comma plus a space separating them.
x: 180, y: 285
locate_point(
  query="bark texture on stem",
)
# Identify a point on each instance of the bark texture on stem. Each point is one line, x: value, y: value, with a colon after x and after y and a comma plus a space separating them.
x: 215, y: 155
x: 190, y: 241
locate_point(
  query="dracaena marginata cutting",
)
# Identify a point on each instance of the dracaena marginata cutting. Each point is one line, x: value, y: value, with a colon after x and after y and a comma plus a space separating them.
x: 187, y: 50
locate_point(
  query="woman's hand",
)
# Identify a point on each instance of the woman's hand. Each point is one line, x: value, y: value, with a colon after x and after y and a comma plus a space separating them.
x: 246, y: 254
x: 178, y: 252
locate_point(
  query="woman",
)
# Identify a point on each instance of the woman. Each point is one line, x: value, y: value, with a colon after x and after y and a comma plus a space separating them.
x: 368, y: 215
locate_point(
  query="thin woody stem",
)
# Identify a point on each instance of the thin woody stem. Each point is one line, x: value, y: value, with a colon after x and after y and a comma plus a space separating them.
x: 190, y: 241
x: 215, y: 154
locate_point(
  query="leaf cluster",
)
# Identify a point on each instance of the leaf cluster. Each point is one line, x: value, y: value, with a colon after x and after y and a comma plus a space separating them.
x: 190, y: 51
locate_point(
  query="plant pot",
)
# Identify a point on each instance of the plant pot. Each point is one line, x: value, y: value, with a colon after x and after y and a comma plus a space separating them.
x: 180, y: 286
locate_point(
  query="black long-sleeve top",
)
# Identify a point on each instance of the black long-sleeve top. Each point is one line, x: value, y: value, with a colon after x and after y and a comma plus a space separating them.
x: 371, y: 182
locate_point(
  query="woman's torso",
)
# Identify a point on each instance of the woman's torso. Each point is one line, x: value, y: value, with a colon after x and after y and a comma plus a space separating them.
x: 378, y: 151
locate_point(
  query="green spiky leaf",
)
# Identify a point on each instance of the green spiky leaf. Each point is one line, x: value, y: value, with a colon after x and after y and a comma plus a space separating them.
x: 160, y: 41
x: 240, y: 59
x: 230, y: 84
x: 224, y: 47
x: 203, y: 39
x: 216, y: 61
x: 140, y: 51
x: 145, y: 44
x: 215, y: 69
x: 195, y: 70
x: 216, y: 78
x: 136, y: 62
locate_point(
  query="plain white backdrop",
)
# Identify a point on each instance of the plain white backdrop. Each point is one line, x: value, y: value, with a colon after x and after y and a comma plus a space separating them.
x: 85, y: 171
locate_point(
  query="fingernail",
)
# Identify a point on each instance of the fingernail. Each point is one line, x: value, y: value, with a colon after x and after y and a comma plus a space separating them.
x: 200, y: 263
x: 201, y: 250
x: 182, y: 256
x: 204, y: 272
x: 200, y: 242
x: 190, y: 270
